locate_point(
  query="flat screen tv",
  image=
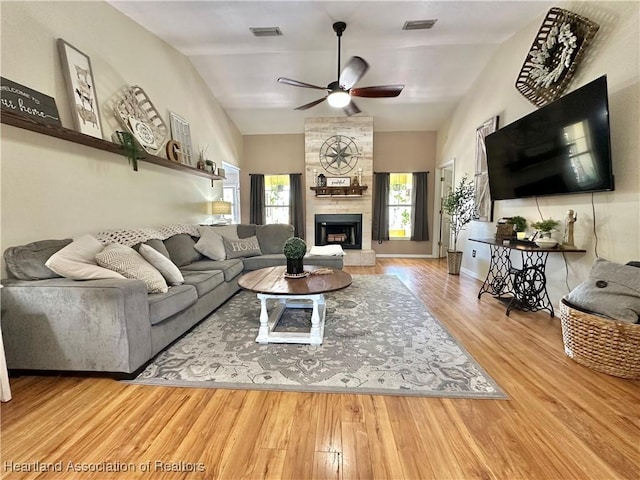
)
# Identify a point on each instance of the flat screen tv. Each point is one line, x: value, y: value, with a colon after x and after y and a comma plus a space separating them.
x: 561, y: 148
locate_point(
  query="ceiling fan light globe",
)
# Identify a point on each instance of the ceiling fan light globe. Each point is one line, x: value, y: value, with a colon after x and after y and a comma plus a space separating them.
x: 339, y: 99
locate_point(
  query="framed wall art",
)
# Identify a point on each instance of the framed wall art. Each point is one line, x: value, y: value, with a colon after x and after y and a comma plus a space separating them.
x: 181, y: 132
x: 81, y: 87
x: 483, y: 202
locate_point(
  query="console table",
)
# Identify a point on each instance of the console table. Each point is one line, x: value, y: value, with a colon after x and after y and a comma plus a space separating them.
x: 526, y: 285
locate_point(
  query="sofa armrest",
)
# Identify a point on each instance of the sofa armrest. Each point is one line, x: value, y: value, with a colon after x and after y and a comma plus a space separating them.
x: 63, y: 324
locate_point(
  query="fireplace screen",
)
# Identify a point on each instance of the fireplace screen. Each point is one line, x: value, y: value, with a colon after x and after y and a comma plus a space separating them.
x: 339, y: 229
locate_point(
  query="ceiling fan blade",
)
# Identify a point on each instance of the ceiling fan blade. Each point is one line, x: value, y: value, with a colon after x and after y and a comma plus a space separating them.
x: 296, y: 83
x: 377, y: 92
x: 351, y: 109
x: 353, y: 71
x: 312, y: 104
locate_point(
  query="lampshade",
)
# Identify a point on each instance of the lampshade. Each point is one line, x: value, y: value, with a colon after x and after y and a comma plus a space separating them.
x: 339, y: 99
x: 220, y: 207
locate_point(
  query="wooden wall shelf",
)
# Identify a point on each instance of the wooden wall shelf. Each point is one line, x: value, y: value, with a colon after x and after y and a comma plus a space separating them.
x: 352, y: 191
x: 69, y: 135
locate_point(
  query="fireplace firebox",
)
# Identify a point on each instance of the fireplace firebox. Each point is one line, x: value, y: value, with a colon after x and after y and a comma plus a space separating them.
x: 343, y: 229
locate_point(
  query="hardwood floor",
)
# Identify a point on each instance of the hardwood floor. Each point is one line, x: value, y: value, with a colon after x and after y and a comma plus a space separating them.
x: 561, y: 421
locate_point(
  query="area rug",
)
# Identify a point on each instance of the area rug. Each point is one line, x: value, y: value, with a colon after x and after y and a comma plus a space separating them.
x: 378, y: 339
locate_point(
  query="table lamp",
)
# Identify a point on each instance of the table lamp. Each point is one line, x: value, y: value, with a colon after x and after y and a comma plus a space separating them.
x: 221, y: 208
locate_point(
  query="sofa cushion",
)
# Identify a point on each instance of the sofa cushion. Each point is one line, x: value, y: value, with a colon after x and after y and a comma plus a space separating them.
x: 241, y: 248
x: 78, y: 260
x: 204, y: 281
x: 210, y: 244
x: 231, y: 268
x: 163, y: 264
x: 246, y: 230
x: 130, y: 264
x: 27, y: 262
x: 264, y: 261
x: 181, y: 249
x: 164, y: 305
x: 612, y: 289
x: 272, y: 237
x: 156, y: 244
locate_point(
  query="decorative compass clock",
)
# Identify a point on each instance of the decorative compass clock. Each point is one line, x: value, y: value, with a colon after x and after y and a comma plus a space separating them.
x: 339, y: 154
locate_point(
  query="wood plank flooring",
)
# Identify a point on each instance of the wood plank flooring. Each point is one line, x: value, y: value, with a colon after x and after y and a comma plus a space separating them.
x: 561, y: 421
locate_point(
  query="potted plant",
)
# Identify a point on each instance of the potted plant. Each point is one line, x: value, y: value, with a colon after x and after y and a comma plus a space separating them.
x: 519, y: 225
x: 459, y: 205
x: 295, y: 249
x: 546, y: 226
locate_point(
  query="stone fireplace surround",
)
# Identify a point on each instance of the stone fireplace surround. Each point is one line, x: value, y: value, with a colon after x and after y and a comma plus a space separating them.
x: 360, y: 129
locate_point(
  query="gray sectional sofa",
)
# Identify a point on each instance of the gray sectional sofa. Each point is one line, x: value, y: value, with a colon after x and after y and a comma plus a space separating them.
x: 114, y: 325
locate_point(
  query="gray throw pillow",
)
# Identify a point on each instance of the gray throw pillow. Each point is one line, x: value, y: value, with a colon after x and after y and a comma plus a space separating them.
x: 239, y: 248
x: 272, y: 237
x: 27, y: 262
x: 612, y: 290
x: 182, y: 250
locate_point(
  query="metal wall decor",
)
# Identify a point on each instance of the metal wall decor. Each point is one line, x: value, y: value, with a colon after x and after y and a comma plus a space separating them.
x: 554, y: 55
x: 339, y: 154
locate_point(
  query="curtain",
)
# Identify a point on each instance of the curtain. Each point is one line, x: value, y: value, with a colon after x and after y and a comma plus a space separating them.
x: 296, y: 209
x: 256, y: 199
x: 419, y: 220
x: 380, y: 224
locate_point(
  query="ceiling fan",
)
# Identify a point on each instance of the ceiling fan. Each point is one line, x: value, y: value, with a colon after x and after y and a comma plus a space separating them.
x: 339, y: 93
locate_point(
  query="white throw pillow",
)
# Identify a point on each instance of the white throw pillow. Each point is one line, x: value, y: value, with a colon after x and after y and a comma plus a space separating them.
x: 166, y: 267
x: 210, y: 244
x: 78, y: 260
x: 126, y: 261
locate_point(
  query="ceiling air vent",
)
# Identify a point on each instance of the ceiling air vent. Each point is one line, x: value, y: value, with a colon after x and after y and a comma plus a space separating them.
x: 418, y: 24
x: 266, y: 31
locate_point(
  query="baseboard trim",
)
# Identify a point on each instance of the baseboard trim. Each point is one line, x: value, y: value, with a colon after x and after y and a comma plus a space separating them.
x: 471, y: 273
x: 403, y: 255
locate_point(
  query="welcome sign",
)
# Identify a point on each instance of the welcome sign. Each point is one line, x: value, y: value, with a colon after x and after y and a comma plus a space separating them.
x: 24, y: 101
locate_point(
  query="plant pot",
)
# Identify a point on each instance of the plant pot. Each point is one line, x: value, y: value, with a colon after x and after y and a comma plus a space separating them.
x: 454, y: 260
x: 521, y: 235
x: 295, y: 266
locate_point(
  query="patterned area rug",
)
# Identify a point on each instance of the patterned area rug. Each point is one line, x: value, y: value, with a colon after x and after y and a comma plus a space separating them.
x: 378, y: 339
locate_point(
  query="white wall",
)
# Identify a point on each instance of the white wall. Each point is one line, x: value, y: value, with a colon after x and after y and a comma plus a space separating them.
x: 614, y: 52
x: 56, y: 189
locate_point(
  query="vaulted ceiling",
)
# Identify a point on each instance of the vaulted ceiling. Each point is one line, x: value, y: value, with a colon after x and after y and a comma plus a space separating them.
x: 437, y: 65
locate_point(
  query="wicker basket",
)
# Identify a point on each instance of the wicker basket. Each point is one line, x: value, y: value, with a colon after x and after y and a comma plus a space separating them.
x: 601, y: 344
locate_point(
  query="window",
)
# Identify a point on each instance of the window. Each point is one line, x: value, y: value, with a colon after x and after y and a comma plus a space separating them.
x: 400, y: 186
x: 231, y: 190
x: 276, y: 198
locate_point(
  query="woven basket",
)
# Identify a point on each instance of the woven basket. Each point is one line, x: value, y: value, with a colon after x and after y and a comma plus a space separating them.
x: 601, y: 344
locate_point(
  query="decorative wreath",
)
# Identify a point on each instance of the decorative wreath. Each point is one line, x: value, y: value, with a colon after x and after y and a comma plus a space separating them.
x: 544, y: 73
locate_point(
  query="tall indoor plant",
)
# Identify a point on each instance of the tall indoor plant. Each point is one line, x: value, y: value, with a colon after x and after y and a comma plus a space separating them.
x: 459, y: 205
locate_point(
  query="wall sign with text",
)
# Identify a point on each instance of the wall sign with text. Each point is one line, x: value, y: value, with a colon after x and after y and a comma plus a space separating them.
x: 24, y: 101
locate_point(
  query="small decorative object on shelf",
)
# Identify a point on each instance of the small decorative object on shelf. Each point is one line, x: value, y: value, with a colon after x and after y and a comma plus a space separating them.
x: 520, y: 226
x: 554, y: 55
x: 569, y: 241
x: 181, y: 131
x: 546, y: 226
x: 174, y: 151
x: 322, y: 180
x: 138, y: 115
x: 295, y: 249
x: 315, y: 177
x: 127, y: 141
x: 359, y: 176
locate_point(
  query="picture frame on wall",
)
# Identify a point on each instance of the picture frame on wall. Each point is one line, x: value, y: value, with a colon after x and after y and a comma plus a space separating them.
x: 81, y: 88
x: 483, y: 202
x: 181, y: 132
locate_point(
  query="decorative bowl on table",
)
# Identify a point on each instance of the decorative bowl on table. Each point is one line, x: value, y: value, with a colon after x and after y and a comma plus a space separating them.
x: 546, y: 242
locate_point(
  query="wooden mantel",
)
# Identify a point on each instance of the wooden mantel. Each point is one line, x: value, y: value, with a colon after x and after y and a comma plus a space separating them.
x: 351, y: 191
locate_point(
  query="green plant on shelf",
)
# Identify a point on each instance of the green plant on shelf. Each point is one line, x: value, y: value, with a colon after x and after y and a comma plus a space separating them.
x: 545, y: 226
x: 519, y: 223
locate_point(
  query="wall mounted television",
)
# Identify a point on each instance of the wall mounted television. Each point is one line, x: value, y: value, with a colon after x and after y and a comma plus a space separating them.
x: 561, y: 148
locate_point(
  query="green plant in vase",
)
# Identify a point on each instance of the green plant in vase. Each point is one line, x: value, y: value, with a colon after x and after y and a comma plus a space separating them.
x: 546, y: 226
x: 294, y: 250
x: 519, y: 225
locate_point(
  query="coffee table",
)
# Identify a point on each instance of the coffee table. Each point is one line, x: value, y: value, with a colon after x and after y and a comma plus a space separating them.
x: 306, y: 292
